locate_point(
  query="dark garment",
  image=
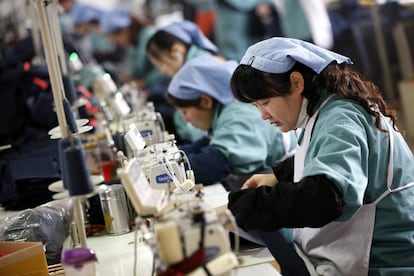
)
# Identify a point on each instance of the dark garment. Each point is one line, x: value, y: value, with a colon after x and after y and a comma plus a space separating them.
x: 208, y: 163
x: 290, y: 262
x: 233, y: 182
x: 311, y: 202
x: 28, y: 170
x: 280, y: 244
x: 211, y: 166
x: 26, y: 102
x: 284, y: 170
x: 262, y: 27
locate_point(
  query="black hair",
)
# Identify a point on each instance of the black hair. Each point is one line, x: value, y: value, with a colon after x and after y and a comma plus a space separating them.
x: 249, y: 84
x: 177, y: 102
x: 162, y: 41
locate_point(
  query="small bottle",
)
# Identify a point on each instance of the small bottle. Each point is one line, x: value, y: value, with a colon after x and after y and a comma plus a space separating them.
x: 93, y: 158
x: 108, y: 158
x: 79, y: 262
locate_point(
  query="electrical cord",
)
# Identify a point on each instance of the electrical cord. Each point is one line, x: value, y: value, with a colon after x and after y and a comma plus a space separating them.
x: 135, y: 248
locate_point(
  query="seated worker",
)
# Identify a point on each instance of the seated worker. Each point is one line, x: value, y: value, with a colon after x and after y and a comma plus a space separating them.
x: 173, y: 45
x: 87, y: 32
x: 239, y: 141
x: 132, y: 32
x: 168, y: 49
x: 348, y: 192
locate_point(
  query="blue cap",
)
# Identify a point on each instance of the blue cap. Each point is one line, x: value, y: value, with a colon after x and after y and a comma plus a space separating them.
x: 113, y: 20
x: 189, y: 32
x: 279, y: 54
x: 204, y: 75
x: 82, y: 13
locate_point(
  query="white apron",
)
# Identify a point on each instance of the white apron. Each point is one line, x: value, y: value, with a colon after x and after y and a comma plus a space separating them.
x: 339, y: 248
x: 286, y: 146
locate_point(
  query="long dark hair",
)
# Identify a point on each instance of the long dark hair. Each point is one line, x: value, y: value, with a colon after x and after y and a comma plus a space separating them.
x: 249, y: 84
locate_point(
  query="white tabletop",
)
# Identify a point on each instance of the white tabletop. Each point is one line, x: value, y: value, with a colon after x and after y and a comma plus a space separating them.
x: 116, y: 253
x: 115, y: 256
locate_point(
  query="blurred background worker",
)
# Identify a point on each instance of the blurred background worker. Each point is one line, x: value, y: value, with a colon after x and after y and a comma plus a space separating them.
x: 169, y: 49
x: 65, y: 18
x: 239, y: 141
x: 172, y: 45
x: 87, y: 32
x: 356, y: 29
x: 305, y: 19
x: 132, y: 31
x: 376, y: 34
x: 233, y: 31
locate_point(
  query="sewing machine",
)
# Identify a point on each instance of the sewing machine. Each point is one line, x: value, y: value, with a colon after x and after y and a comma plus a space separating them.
x: 166, y: 167
x: 186, y: 235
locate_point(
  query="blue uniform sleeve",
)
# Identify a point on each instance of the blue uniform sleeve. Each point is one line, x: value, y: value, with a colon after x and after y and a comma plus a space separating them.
x: 248, y: 142
x: 340, y: 151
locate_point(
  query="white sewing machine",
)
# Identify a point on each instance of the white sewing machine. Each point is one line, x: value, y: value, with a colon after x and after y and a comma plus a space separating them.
x: 186, y: 235
x: 166, y: 167
x: 149, y: 123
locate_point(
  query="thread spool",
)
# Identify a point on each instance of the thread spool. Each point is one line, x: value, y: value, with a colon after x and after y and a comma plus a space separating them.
x: 169, y: 243
x: 64, y: 144
x: 77, y: 172
x: 187, y: 185
x: 70, y: 118
x: 70, y: 90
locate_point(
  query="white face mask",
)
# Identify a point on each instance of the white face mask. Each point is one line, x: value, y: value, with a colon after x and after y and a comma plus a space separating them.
x: 303, y: 115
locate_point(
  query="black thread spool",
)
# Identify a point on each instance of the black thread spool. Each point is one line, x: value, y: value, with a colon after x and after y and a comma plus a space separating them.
x: 76, y: 172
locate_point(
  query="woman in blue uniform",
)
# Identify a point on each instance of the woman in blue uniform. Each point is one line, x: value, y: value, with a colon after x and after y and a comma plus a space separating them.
x: 168, y: 49
x: 132, y: 32
x: 348, y: 190
x: 239, y: 141
x: 88, y: 36
x: 173, y: 45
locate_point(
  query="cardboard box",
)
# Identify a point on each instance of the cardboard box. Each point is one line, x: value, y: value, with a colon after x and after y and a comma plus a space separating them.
x: 23, y: 258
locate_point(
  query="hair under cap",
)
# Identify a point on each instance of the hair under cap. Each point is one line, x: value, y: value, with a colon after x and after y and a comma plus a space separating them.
x: 204, y: 75
x: 189, y: 32
x: 279, y: 54
x: 113, y: 20
x: 82, y: 13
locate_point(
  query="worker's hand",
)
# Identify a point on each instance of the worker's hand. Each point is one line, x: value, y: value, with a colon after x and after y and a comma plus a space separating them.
x: 258, y: 180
